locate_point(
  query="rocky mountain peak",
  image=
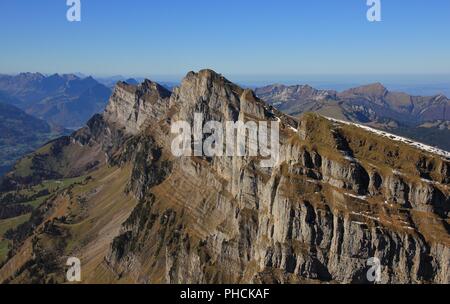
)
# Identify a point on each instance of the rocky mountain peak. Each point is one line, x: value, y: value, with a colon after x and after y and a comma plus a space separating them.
x: 150, y: 87
x: 207, y: 92
x: 441, y: 99
x: 30, y: 76
x: 132, y: 106
x: 374, y: 90
x: 206, y: 81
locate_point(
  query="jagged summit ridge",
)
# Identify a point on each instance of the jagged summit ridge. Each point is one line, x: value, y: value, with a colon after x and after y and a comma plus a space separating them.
x: 206, y: 92
x: 131, y: 106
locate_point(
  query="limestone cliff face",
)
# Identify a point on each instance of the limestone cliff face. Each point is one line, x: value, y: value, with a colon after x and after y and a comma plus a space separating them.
x: 329, y: 205
x: 131, y: 106
x: 338, y: 196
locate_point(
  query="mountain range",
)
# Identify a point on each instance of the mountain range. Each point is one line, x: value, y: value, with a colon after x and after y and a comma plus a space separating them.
x: 114, y: 195
x: 63, y: 100
x: 425, y: 119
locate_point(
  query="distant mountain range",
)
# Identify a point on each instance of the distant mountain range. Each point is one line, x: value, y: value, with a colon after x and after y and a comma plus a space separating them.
x: 63, y: 100
x: 20, y: 134
x: 426, y: 119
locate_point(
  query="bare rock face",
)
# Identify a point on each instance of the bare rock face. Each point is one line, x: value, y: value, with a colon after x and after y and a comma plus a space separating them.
x: 317, y: 216
x: 131, y: 106
x: 337, y: 197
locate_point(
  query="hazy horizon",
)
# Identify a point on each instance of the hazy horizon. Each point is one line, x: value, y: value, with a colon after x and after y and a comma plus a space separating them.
x: 415, y: 84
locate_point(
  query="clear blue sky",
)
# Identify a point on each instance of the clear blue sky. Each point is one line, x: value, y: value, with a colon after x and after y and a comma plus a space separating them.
x: 234, y: 37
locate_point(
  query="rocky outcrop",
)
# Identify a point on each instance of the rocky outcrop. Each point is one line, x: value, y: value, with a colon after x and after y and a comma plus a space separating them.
x: 131, y: 106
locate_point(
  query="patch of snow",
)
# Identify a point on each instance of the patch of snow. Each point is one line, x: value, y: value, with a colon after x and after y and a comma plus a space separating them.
x: 361, y: 197
x: 407, y: 141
